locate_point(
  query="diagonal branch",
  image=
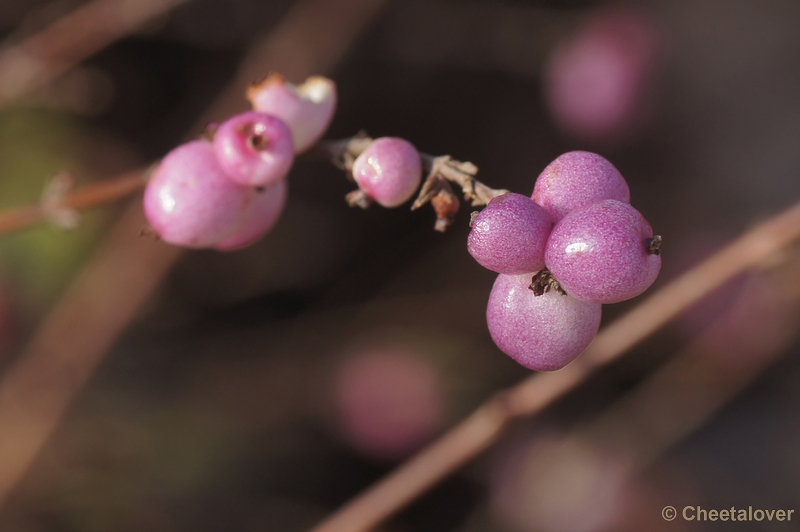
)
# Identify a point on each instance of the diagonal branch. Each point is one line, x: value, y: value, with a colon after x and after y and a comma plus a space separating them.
x: 71, y: 39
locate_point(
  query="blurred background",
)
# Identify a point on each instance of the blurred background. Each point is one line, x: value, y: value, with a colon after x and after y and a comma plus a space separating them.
x: 261, y: 389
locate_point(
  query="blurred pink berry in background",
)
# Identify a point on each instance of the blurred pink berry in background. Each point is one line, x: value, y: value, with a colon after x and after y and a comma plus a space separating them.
x: 389, y: 401
x: 597, y: 80
x: 554, y: 484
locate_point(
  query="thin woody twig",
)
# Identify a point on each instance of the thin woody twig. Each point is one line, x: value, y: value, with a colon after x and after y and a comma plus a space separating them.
x: 476, y: 433
x: 83, y: 198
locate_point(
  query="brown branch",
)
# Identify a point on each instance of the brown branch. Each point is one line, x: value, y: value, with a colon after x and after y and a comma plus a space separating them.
x: 475, y: 434
x: 66, y: 42
x: 83, y: 198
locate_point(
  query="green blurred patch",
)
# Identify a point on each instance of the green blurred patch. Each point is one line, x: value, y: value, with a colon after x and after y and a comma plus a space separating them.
x: 35, y: 145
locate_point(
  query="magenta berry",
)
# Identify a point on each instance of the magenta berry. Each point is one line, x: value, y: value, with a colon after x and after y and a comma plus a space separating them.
x: 388, y: 171
x: 543, y: 333
x: 510, y: 234
x: 259, y: 216
x: 189, y: 200
x: 576, y: 179
x: 306, y: 108
x: 254, y: 148
x: 604, y: 253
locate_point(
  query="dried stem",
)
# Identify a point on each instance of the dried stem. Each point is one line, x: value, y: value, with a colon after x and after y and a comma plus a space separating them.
x: 476, y: 433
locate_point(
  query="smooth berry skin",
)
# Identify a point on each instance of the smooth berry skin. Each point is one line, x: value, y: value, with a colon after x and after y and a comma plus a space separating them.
x: 600, y: 253
x: 389, y: 171
x: 189, y: 201
x: 254, y: 149
x: 259, y: 216
x: 307, y: 108
x: 510, y: 234
x: 577, y: 179
x: 543, y: 333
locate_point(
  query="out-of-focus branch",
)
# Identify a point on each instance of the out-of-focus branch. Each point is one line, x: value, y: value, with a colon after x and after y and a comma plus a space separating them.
x: 70, y: 40
x: 86, y: 197
x: 37, y: 390
x: 476, y: 433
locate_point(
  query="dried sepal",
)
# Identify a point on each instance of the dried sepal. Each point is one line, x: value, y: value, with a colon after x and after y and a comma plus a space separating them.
x: 543, y: 281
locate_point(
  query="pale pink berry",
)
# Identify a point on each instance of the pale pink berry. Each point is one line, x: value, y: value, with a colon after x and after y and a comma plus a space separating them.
x: 576, y: 179
x: 306, y: 108
x: 596, y: 81
x: 259, y: 216
x: 388, y: 171
x: 510, y: 234
x: 254, y: 148
x: 543, y: 333
x: 189, y: 200
x: 603, y: 253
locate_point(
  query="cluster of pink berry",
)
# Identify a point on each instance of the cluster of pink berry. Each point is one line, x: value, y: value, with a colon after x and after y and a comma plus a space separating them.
x: 575, y: 244
x: 227, y: 192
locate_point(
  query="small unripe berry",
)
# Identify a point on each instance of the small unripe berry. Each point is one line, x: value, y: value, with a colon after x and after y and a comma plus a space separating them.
x: 306, y: 108
x: 388, y: 171
x: 254, y: 149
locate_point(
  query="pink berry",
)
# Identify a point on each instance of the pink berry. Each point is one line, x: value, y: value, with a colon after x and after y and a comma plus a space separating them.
x: 189, y: 200
x: 307, y: 108
x: 543, y: 333
x: 254, y: 148
x: 259, y: 216
x: 602, y: 253
x: 576, y: 179
x: 510, y: 234
x: 388, y: 171
x: 596, y: 82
